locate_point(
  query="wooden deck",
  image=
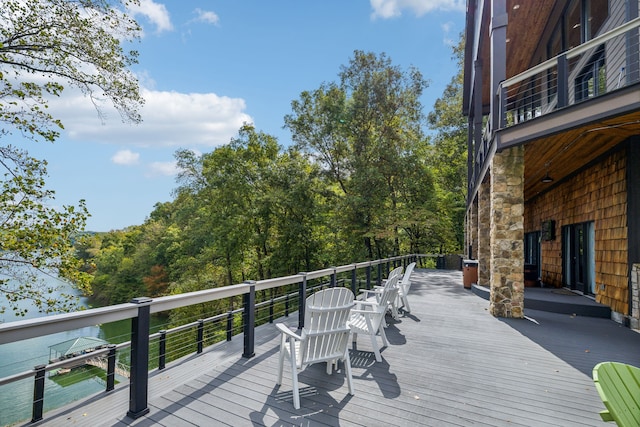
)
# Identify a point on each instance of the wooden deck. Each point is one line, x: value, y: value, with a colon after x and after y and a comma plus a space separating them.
x: 449, y: 363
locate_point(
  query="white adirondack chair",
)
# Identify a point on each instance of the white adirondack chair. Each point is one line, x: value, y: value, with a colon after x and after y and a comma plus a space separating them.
x: 324, y: 338
x: 374, y: 294
x: 368, y: 315
x: 404, y: 284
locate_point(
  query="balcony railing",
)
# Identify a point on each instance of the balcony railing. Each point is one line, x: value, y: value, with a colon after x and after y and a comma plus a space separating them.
x: 146, y: 351
x: 603, y: 64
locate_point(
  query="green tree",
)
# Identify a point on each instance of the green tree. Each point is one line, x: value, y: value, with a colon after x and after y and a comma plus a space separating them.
x: 365, y: 131
x: 45, y: 45
x: 449, y: 160
x: 36, y: 240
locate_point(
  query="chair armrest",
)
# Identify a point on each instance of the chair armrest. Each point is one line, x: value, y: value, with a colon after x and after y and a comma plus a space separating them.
x: 360, y: 304
x: 285, y: 330
x: 366, y: 293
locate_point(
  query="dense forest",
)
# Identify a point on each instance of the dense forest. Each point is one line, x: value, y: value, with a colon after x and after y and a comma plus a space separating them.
x: 367, y: 175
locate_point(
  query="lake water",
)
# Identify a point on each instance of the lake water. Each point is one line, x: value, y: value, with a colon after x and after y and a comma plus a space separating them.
x: 16, y: 399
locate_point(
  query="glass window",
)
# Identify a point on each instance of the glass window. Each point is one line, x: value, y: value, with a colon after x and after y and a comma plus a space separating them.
x: 573, y: 25
x: 592, y: 80
x: 597, y: 12
x: 583, y: 20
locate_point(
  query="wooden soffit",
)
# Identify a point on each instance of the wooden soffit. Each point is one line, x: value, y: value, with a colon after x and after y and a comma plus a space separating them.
x: 528, y: 22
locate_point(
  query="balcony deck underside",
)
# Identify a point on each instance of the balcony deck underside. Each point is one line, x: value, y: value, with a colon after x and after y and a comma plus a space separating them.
x: 562, y: 142
x: 449, y: 363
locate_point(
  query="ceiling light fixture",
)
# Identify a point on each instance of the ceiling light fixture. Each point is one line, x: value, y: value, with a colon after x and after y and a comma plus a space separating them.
x: 546, y: 178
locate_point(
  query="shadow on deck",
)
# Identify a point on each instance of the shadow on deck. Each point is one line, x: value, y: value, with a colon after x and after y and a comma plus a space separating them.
x: 449, y: 363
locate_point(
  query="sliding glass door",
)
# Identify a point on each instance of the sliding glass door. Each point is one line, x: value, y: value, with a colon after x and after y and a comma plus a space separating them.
x: 578, y: 257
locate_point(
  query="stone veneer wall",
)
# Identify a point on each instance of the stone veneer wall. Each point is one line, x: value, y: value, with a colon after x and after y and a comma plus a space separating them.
x: 597, y: 194
x: 474, y: 229
x: 507, y: 233
x: 484, y: 234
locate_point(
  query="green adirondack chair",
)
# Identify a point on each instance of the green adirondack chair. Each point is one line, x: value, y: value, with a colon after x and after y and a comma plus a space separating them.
x: 619, y: 387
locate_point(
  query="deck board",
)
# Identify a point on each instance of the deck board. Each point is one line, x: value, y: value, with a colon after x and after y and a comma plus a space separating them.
x: 449, y: 363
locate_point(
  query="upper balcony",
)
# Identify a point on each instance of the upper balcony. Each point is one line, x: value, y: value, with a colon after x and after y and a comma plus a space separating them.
x: 567, y: 110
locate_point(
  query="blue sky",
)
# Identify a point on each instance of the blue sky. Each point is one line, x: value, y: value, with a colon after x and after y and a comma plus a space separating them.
x: 206, y: 67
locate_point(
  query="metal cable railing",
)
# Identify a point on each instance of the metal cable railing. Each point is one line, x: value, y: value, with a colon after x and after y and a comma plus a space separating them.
x: 263, y: 302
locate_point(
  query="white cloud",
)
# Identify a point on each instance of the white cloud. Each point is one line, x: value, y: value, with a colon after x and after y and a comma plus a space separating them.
x: 447, y: 27
x: 156, y: 13
x: 163, y: 169
x: 170, y: 119
x: 206, y: 16
x: 393, y: 8
x: 126, y: 158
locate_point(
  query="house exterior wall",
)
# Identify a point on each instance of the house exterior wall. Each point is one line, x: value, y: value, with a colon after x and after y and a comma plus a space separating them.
x: 598, y: 193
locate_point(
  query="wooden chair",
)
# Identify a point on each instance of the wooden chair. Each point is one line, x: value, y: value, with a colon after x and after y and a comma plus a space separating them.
x: 619, y: 387
x: 404, y: 284
x: 368, y: 315
x: 375, y: 293
x: 324, y: 338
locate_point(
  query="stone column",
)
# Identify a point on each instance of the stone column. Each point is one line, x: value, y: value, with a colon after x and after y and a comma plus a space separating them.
x: 484, y: 234
x: 473, y: 214
x: 507, y: 233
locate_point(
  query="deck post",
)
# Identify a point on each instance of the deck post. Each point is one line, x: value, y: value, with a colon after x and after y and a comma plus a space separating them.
x: 162, y: 350
x: 379, y: 278
x: 229, y: 325
x: 562, y: 81
x: 302, y: 298
x: 354, y: 280
x: 271, y: 306
x: 38, y: 393
x: 111, y: 367
x: 139, y: 380
x: 368, y: 273
x: 249, y: 319
x: 200, y: 336
x: 333, y: 278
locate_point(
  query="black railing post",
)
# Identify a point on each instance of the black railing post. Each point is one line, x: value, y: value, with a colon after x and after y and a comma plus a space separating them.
x: 286, y: 305
x: 368, y: 284
x: 38, y: 393
x: 333, y: 278
x: 562, y: 81
x: 502, y: 105
x: 271, y: 304
x: 162, y: 350
x: 229, y: 325
x: 139, y: 379
x: 200, y: 336
x: 111, y: 367
x: 249, y: 320
x: 379, y: 278
x: 302, y: 298
x: 354, y: 280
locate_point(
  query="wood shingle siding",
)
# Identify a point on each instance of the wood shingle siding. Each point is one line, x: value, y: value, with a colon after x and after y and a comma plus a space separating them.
x: 598, y: 193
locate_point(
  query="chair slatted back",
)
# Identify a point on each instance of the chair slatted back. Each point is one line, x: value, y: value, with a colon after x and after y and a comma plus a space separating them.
x: 326, y: 333
x: 405, y: 282
x: 618, y: 385
x: 390, y: 289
